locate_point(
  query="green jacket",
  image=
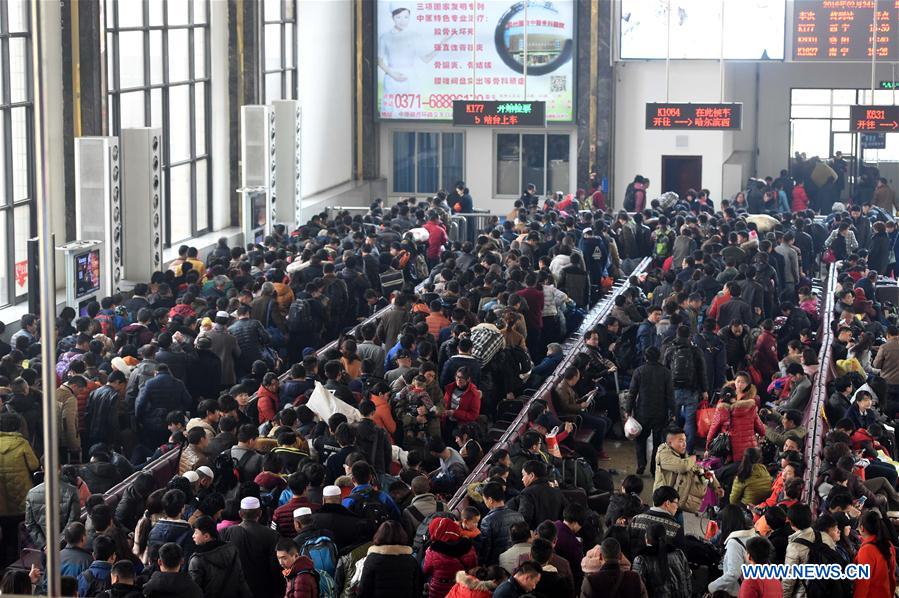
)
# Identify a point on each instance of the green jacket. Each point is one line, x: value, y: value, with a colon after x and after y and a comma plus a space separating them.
x: 17, y: 463
x: 752, y: 490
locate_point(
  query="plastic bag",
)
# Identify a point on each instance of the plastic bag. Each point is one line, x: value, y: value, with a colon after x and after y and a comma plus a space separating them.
x: 632, y: 428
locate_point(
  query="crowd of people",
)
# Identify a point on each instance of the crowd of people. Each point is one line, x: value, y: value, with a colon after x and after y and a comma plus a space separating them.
x: 307, y: 468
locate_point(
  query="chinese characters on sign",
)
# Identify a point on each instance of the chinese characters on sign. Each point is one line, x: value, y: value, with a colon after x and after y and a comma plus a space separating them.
x: 706, y: 117
x: 432, y: 53
x: 882, y: 119
x: 844, y: 29
x: 469, y: 113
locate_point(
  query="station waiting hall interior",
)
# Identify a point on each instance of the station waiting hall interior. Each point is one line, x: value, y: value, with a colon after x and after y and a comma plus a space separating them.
x: 392, y: 298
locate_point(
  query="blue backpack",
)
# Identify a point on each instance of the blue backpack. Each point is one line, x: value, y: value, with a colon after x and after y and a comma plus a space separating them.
x: 323, y: 552
x: 326, y: 586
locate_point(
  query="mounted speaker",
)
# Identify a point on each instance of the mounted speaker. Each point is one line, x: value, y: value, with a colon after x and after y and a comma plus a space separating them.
x: 143, y: 201
x: 98, y: 203
x: 288, y: 189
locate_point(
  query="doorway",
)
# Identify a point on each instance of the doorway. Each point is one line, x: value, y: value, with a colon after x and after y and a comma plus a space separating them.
x: 681, y: 173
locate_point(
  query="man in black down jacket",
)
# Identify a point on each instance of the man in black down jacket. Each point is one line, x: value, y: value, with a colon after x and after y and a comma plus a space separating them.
x: 736, y: 308
x: 204, y: 379
x: 102, y: 412
x: 347, y: 528
x: 251, y: 337
x: 495, y: 526
x: 161, y: 394
x: 372, y: 439
x: 178, y: 360
x: 255, y: 545
x: 540, y: 500
x: 651, y: 401
x: 214, y: 565
x: 134, y: 500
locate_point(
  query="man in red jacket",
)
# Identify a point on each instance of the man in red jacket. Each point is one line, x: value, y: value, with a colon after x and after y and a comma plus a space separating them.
x: 533, y: 317
x: 436, y: 237
x: 282, y: 519
x: 299, y: 571
x: 463, y: 402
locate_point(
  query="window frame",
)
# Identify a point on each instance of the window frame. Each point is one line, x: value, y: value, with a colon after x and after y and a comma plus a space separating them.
x: 415, y: 160
x: 288, y: 92
x: 164, y: 86
x: 10, y: 204
x: 545, y: 133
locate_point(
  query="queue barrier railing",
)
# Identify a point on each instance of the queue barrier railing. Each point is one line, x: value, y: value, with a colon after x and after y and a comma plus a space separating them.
x: 575, y: 345
x: 814, y: 422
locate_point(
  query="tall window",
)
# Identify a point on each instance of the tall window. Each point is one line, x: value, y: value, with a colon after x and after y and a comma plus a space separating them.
x: 279, y: 51
x: 159, y: 77
x: 541, y: 159
x: 16, y: 149
x: 425, y: 162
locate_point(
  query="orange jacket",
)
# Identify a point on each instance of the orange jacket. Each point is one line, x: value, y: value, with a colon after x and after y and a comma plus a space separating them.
x: 383, y: 416
x: 882, y: 583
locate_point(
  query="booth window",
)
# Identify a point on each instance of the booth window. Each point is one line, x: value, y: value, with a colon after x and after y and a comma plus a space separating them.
x: 538, y: 158
x: 158, y: 73
x: 279, y: 50
x: 426, y: 162
x: 17, y: 222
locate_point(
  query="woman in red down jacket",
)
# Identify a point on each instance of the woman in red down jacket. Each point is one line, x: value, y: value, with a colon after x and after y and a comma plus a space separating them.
x: 737, y: 413
x: 480, y: 582
x: 800, y: 198
x: 879, y: 554
x: 448, y: 554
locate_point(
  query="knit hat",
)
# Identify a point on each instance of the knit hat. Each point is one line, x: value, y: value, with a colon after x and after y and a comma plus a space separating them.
x: 444, y: 529
x: 592, y: 561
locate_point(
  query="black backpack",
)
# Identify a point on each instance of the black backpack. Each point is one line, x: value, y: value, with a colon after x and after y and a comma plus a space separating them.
x: 820, y: 553
x: 367, y: 504
x: 299, y: 316
x: 630, y: 198
x: 683, y: 368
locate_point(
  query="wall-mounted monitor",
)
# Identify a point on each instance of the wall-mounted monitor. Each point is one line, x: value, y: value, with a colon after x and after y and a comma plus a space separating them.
x: 751, y: 29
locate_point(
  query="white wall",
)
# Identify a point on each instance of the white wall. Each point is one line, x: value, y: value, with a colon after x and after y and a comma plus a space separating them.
x: 638, y: 151
x: 325, y: 78
x: 480, y: 159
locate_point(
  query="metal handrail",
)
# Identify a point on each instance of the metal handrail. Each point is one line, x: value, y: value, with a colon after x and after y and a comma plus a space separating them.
x: 815, y: 425
x: 596, y: 315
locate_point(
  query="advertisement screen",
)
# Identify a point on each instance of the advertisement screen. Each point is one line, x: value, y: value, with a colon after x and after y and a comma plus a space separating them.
x: 431, y: 53
x: 87, y: 273
x: 752, y: 29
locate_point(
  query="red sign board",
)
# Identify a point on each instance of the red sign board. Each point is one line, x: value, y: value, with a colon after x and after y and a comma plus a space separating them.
x: 883, y: 119
x: 21, y: 274
x: 699, y: 117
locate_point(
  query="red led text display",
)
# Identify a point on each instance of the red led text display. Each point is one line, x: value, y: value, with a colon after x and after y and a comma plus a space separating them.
x: 882, y: 119
x: 467, y: 113
x: 703, y: 117
x: 843, y: 30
